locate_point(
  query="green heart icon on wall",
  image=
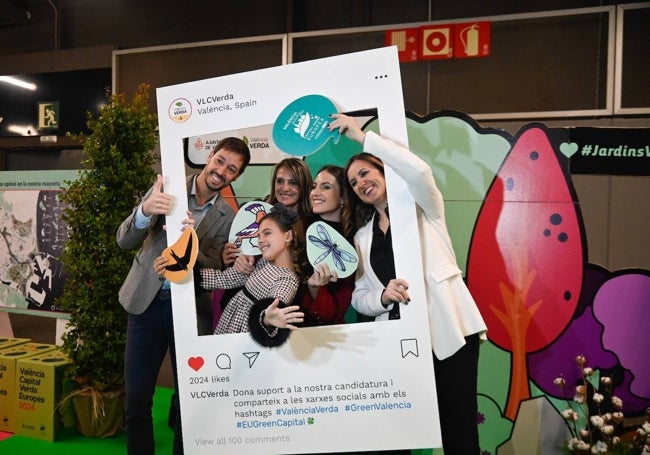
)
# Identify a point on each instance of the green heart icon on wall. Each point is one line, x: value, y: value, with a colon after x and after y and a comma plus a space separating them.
x: 568, y: 149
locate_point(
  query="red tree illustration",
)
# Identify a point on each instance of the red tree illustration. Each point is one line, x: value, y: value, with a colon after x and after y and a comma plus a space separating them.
x: 525, y: 263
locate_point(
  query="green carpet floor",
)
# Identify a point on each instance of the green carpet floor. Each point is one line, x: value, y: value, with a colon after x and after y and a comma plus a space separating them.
x: 72, y: 443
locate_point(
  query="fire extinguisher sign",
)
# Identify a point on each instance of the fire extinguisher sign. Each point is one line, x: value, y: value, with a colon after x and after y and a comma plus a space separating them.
x: 472, y: 39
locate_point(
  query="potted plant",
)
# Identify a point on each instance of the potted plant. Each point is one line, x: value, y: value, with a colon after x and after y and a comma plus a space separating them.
x: 117, y: 171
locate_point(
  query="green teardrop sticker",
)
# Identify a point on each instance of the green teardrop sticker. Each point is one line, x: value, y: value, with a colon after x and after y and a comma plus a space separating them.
x: 301, y: 128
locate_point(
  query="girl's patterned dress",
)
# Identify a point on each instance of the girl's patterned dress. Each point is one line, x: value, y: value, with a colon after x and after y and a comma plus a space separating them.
x: 266, y: 281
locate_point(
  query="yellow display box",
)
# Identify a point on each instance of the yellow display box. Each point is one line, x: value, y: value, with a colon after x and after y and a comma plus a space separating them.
x: 8, y: 385
x: 11, y: 342
x: 41, y: 387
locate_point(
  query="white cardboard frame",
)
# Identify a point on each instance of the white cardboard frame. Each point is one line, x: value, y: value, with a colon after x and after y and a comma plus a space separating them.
x: 314, y: 393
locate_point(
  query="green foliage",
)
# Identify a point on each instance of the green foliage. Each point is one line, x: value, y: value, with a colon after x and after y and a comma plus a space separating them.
x: 118, y: 171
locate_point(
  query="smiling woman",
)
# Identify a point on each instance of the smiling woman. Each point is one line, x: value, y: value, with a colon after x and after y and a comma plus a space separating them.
x: 455, y: 321
x: 325, y: 296
x: 290, y: 183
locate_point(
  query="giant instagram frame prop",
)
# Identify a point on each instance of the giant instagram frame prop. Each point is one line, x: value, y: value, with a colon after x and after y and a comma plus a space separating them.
x: 328, y: 389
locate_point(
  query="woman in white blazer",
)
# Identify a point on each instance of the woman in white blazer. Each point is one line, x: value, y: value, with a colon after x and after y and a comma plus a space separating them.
x: 455, y: 322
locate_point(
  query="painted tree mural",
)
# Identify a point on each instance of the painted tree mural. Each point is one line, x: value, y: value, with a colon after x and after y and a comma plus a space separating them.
x: 526, y: 257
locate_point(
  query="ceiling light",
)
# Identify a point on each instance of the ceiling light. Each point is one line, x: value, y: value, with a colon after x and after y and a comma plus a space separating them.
x: 18, y: 82
x: 23, y: 130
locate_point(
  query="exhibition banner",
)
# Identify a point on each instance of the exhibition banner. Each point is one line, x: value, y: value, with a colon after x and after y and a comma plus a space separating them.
x: 31, y: 274
x: 605, y: 151
x: 351, y: 387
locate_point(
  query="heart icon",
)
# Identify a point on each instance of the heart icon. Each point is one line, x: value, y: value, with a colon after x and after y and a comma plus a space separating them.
x: 195, y: 363
x: 568, y: 149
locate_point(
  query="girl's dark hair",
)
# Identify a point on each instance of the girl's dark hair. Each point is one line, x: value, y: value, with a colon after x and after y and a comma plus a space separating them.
x: 282, y: 216
x: 347, y: 222
x: 301, y: 173
x: 356, y: 210
x: 290, y: 221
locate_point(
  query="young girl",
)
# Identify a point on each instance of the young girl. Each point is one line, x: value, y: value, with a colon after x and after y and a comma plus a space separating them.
x: 273, y: 281
x: 291, y: 183
x: 322, y: 296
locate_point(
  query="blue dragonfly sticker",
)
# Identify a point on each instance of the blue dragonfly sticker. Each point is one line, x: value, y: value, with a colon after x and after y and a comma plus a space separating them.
x: 338, y: 251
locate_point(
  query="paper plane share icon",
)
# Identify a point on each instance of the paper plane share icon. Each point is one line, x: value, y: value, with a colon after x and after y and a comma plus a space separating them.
x: 252, y: 357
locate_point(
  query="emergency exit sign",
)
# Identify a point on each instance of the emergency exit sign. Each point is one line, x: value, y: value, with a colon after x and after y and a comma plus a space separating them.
x: 48, y: 115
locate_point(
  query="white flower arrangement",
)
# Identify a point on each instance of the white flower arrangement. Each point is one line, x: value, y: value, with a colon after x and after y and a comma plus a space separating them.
x: 603, y: 416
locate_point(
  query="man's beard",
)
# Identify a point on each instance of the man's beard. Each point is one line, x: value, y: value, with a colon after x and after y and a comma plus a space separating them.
x: 208, y: 182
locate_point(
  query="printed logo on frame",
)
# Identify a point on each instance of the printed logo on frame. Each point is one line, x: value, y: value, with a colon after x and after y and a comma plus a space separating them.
x: 180, y: 110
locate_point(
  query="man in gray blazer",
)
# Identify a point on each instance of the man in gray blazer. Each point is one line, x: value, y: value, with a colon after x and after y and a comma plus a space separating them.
x: 147, y: 297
